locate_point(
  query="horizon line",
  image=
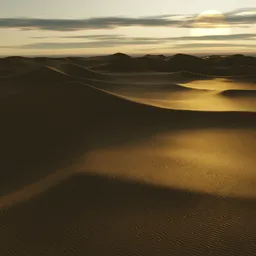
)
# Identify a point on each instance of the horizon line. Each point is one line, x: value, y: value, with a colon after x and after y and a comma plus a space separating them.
x: 253, y: 54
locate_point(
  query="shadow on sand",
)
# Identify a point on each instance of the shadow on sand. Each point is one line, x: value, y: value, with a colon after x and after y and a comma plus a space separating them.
x: 101, y: 216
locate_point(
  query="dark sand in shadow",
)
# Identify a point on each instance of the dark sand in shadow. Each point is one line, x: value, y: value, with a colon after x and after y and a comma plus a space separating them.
x: 100, y: 216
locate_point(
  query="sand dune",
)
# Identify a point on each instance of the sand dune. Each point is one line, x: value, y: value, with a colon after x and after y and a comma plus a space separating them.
x: 79, y: 71
x: 74, y: 107
x: 40, y: 74
x: 15, y: 65
x: 125, y: 164
x: 165, y: 95
x: 221, y: 84
x: 160, y: 77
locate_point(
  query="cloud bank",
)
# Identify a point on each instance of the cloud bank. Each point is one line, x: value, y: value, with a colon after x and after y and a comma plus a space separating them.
x: 235, y: 18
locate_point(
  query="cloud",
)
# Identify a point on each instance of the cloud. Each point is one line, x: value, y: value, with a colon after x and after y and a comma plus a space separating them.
x: 83, y: 24
x: 235, y: 18
x: 241, y: 11
x: 117, y: 43
x: 216, y: 38
x: 199, y: 47
x: 99, y: 36
x: 246, y: 36
x: 213, y: 45
x: 80, y: 45
x: 99, y: 41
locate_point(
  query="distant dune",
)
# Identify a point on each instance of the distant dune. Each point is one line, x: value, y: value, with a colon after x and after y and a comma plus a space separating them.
x: 78, y: 71
x: 14, y: 65
x: 160, y: 56
x: 114, y: 155
x: 42, y: 75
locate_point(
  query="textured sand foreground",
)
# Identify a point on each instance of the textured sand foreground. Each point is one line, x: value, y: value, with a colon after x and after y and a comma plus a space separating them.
x: 97, y: 164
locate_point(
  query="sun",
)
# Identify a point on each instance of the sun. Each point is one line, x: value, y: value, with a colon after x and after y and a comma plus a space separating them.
x: 210, y: 22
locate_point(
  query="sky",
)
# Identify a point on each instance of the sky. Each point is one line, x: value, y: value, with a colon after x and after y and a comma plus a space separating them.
x: 90, y: 27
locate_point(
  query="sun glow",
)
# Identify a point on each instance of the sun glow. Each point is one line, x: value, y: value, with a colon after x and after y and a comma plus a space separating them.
x: 210, y: 22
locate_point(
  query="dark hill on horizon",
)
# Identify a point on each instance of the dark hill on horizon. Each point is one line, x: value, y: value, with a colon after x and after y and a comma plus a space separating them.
x: 237, y: 64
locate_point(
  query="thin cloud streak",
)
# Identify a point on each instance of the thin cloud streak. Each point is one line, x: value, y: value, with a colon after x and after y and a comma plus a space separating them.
x: 246, y: 36
x: 79, y: 45
x: 98, y: 41
x: 211, y: 45
x: 107, y: 44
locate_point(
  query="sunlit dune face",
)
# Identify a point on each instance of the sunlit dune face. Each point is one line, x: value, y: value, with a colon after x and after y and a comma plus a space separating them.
x: 210, y: 23
x: 211, y: 161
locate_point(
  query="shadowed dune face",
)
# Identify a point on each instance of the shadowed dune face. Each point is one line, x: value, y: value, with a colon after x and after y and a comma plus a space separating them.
x: 15, y: 65
x: 239, y: 93
x: 90, y: 166
x: 39, y: 132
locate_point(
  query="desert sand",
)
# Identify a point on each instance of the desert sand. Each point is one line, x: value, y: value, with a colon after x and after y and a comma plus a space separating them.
x: 114, y: 155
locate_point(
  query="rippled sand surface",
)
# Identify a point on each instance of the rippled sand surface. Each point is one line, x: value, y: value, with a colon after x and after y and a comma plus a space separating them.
x: 213, y: 161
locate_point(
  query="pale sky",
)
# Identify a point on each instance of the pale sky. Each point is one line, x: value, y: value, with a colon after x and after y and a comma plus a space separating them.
x: 88, y: 27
